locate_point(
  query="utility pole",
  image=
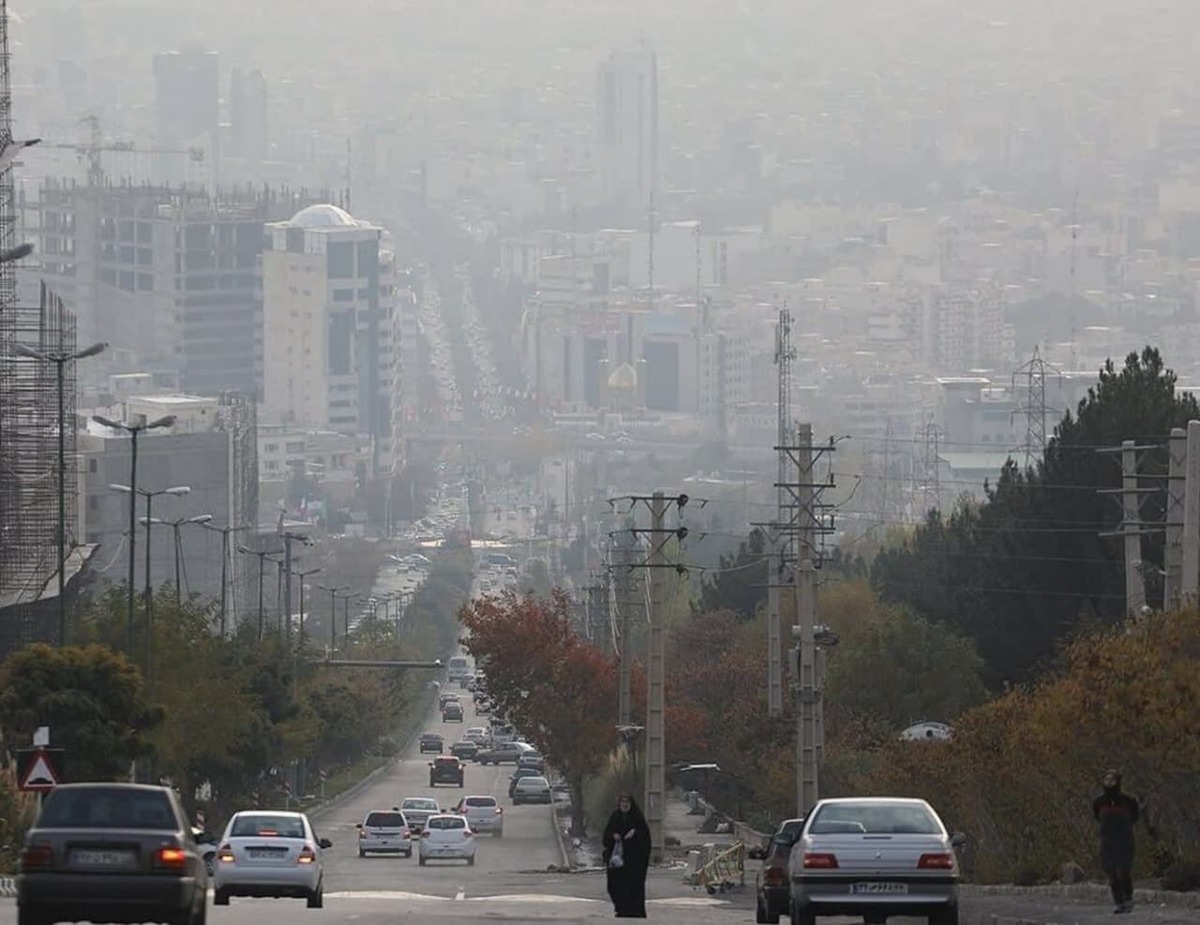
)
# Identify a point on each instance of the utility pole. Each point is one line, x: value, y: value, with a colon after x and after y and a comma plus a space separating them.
x: 288, y: 538
x: 806, y: 493
x: 659, y: 536
x: 333, y: 593
x: 779, y: 535
x: 1176, y: 490
x: 1190, y: 578
x: 262, y: 565
x: 225, y: 556
x: 1132, y: 527
x: 623, y: 580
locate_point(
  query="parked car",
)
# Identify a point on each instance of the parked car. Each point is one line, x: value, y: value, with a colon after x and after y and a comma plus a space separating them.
x: 270, y: 853
x: 464, y: 749
x: 384, y: 831
x: 873, y: 858
x: 476, y: 734
x: 111, y: 851
x: 445, y: 769
x: 771, y: 882
x: 417, y: 810
x: 483, y: 814
x: 532, y: 790
x: 431, y: 742
x: 532, y: 759
x: 446, y: 836
x: 516, y: 776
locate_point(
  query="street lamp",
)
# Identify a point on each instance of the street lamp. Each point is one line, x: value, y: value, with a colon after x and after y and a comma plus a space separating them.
x: 177, y: 526
x: 302, y: 576
x: 262, y: 564
x: 177, y: 491
x: 133, y: 430
x: 333, y: 593
x: 60, y: 360
x: 224, y: 531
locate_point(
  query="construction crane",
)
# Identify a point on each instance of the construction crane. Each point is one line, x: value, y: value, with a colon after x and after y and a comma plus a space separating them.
x: 95, y: 146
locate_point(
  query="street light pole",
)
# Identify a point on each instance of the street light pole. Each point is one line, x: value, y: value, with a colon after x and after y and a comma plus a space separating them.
x: 302, y: 576
x: 224, y: 531
x: 178, y: 491
x: 262, y: 557
x: 333, y: 593
x: 133, y: 430
x: 176, y: 527
x: 60, y: 360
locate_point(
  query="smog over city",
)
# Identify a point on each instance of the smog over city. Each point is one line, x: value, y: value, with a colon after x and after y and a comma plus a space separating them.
x: 820, y: 372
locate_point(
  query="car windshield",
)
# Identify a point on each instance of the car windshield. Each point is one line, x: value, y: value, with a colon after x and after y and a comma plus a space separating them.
x: 107, y: 808
x: 534, y: 782
x: 420, y: 804
x: 874, y: 819
x: 481, y: 801
x: 267, y: 826
x: 447, y: 822
x: 446, y: 762
x: 384, y: 820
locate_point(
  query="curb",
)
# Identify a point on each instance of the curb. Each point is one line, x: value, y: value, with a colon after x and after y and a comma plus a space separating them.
x: 1087, y: 891
x: 567, y: 861
x: 8, y: 887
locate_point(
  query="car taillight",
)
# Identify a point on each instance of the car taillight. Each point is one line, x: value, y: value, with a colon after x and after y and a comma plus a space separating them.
x: 307, y: 855
x: 425, y: 833
x: 170, y: 858
x: 467, y: 833
x: 362, y: 833
x: 37, y: 856
x: 499, y: 810
x: 939, y: 861
x: 818, y: 861
x: 774, y: 876
x: 225, y: 854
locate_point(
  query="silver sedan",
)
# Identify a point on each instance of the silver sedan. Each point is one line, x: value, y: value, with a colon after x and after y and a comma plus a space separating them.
x: 874, y: 857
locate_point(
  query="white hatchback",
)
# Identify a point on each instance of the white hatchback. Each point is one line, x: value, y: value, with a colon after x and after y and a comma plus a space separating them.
x: 483, y: 814
x: 446, y: 837
x: 384, y: 832
x: 268, y: 853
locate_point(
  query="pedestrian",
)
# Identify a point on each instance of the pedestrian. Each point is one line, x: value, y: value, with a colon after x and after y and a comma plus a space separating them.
x: 627, y: 858
x: 1117, y: 812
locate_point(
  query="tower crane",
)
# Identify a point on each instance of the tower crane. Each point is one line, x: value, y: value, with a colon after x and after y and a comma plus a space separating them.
x: 95, y: 146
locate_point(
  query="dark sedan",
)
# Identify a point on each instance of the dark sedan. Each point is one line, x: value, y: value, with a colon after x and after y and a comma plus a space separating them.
x: 111, y: 852
x: 464, y: 750
x: 771, y: 883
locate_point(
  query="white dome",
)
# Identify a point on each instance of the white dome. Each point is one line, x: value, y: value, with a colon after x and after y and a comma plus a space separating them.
x: 324, y: 216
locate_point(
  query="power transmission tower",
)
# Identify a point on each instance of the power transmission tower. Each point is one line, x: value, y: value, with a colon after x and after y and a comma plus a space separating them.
x: 810, y: 525
x: 927, y: 481
x: 780, y: 539
x: 658, y: 536
x: 1029, y: 382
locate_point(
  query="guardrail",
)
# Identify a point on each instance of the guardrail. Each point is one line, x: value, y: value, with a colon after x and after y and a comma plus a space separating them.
x: 723, y: 871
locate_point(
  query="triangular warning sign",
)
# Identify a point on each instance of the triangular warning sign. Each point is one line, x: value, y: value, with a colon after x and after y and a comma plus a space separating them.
x: 41, y: 774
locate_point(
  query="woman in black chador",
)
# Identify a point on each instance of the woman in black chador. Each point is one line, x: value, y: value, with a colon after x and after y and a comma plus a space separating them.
x: 627, y: 858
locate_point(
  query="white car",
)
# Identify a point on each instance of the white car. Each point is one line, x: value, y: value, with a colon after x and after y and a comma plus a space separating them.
x: 532, y: 790
x: 385, y: 832
x: 483, y: 814
x: 269, y: 853
x: 446, y: 837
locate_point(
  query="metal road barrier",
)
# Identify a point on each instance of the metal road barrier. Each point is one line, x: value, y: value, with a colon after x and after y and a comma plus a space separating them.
x: 723, y: 871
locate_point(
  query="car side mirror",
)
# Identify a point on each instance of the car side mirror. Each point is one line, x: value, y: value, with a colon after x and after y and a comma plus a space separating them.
x: 358, y: 825
x: 957, y: 840
x: 325, y: 843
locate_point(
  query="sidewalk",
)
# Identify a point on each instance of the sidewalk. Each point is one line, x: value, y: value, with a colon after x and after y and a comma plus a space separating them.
x: 681, y: 830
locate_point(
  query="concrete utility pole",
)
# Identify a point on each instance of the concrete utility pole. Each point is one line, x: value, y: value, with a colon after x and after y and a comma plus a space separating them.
x: 1190, y: 577
x: 806, y: 493
x: 1176, y: 490
x: 656, y: 759
x: 780, y: 533
x: 288, y: 539
x: 624, y: 587
x: 1132, y: 527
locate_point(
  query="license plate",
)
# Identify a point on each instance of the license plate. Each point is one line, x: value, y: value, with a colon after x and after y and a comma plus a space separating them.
x: 879, y: 888
x: 263, y: 853
x: 102, y: 858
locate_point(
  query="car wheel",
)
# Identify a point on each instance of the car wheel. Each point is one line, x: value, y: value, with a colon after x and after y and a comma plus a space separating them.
x: 201, y: 917
x: 471, y: 861
x: 421, y: 861
x: 316, y: 900
x: 27, y: 916
x: 361, y: 853
x: 499, y: 833
x: 802, y: 915
x: 220, y: 897
x: 947, y: 916
x: 760, y: 912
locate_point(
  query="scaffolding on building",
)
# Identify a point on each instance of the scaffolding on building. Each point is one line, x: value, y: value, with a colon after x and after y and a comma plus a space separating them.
x: 237, y: 415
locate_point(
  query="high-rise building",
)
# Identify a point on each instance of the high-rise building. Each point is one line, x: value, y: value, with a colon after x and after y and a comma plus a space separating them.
x: 627, y: 129
x: 186, y: 96
x: 249, y: 137
x: 328, y: 324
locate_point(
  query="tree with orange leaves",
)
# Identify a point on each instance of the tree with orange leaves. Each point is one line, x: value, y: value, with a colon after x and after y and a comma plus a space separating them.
x: 556, y: 688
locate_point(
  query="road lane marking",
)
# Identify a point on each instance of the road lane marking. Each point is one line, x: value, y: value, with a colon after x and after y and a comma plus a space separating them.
x: 461, y: 894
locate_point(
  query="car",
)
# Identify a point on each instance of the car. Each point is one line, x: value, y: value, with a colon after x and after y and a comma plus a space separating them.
x: 445, y: 769
x: 452, y: 712
x: 464, y: 749
x: 431, y: 742
x: 111, y: 852
x: 872, y: 858
x: 503, y: 753
x: 270, y: 853
x: 445, y: 697
x: 446, y: 836
x: 483, y: 706
x: 532, y: 790
x: 517, y: 775
x: 476, y: 734
x: 532, y: 759
x: 483, y: 814
x: 417, y: 810
x: 385, y: 832
x: 771, y: 882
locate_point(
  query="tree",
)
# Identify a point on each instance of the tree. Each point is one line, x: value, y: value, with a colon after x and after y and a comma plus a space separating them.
x: 1020, y: 572
x: 739, y: 584
x: 556, y: 688
x: 91, y: 698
